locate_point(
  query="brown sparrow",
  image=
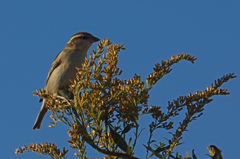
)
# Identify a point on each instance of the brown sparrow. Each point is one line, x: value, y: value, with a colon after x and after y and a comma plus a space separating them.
x: 63, y: 68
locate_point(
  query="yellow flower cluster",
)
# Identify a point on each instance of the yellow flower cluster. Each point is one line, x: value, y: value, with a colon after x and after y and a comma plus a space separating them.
x: 100, y: 108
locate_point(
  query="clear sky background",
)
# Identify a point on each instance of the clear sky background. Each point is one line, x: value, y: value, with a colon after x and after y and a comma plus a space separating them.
x: 33, y: 32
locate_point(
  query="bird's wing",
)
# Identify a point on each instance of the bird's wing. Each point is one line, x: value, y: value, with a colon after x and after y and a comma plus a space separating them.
x: 55, y: 64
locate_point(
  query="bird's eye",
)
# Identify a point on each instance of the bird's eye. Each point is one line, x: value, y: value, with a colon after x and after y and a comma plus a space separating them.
x: 84, y: 37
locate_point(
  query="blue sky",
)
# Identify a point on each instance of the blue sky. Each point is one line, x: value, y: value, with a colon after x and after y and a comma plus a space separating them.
x: 33, y: 32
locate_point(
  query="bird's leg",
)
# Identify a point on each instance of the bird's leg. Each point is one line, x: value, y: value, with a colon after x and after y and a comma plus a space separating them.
x: 63, y: 95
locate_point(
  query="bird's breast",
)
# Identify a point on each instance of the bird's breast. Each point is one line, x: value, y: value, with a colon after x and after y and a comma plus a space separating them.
x: 66, y: 71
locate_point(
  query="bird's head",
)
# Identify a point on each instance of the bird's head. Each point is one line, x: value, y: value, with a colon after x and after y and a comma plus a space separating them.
x: 82, y: 41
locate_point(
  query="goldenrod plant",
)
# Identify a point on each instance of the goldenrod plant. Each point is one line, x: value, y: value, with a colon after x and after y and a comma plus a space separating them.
x: 215, y: 153
x: 103, y: 111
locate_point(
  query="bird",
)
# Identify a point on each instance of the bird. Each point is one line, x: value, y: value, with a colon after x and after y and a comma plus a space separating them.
x: 63, y: 68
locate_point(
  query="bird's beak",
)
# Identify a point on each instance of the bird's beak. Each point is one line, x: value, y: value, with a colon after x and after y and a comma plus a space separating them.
x: 94, y: 39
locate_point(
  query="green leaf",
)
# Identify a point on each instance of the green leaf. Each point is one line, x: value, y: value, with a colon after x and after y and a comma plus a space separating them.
x: 127, y: 128
x: 153, y: 152
x: 121, y: 143
x: 193, y: 155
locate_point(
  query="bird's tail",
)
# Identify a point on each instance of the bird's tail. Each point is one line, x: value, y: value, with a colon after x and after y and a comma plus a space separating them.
x: 40, y: 116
